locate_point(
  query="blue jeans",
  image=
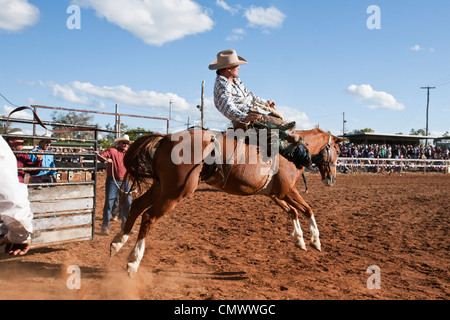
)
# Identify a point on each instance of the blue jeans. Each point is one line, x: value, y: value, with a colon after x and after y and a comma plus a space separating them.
x: 111, y: 194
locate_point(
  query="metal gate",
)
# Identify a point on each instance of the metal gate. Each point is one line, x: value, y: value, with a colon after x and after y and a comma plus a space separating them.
x: 64, y: 210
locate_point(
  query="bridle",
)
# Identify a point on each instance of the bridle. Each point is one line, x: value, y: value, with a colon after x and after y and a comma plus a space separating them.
x: 327, y: 160
x: 326, y: 164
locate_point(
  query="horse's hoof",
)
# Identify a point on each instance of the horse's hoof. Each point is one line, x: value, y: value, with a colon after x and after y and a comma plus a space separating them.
x: 301, y: 244
x: 117, y: 243
x: 132, y: 268
x: 315, y: 243
x: 114, y: 248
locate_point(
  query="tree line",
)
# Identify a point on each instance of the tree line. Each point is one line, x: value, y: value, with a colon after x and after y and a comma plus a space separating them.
x: 413, y: 132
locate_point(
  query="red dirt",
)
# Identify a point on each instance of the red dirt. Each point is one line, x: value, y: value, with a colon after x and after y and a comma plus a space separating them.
x: 219, y: 246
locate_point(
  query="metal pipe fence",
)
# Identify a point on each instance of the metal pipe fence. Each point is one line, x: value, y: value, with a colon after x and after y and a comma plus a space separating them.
x: 63, y: 210
x: 353, y: 165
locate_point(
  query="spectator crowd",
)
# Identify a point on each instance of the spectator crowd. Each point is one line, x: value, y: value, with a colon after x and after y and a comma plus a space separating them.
x: 394, y: 151
x: 391, y: 158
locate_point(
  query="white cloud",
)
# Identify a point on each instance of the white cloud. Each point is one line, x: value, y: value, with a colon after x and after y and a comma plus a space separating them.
x: 265, y: 18
x: 68, y: 94
x: 376, y: 99
x: 20, y: 114
x: 87, y: 93
x: 226, y: 7
x: 437, y: 133
x: 302, y: 120
x: 419, y: 48
x: 155, y: 22
x: 238, y: 34
x: 15, y: 15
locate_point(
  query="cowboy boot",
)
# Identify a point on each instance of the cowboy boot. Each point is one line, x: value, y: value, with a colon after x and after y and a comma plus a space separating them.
x: 317, y: 158
x: 301, y: 156
x: 286, y: 126
x: 270, y: 122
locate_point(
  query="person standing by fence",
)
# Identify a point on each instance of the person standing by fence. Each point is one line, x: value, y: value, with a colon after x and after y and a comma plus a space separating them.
x: 47, y: 162
x: 115, y: 173
x: 16, y: 143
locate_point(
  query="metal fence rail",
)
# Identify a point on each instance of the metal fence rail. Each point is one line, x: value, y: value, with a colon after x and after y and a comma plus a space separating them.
x: 63, y: 210
x: 393, y: 165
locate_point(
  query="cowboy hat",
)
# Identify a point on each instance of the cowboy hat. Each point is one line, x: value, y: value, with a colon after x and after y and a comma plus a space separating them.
x: 125, y: 138
x: 43, y: 142
x: 15, y: 131
x: 225, y: 59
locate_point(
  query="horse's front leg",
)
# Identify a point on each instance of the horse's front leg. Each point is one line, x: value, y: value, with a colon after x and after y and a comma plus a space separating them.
x: 298, y: 235
x: 164, y: 204
x: 136, y: 255
x: 137, y: 207
x: 315, y: 241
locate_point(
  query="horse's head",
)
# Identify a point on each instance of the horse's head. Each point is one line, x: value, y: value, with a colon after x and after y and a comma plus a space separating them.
x: 327, y: 166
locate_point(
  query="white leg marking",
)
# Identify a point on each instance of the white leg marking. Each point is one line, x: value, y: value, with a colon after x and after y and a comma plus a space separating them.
x: 315, y: 241
x: 298, y: 235
x: 135, y: 257
x: 119, y: 240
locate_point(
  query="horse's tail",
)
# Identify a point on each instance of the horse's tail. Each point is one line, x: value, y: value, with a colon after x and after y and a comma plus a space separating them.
x: 138, y: 159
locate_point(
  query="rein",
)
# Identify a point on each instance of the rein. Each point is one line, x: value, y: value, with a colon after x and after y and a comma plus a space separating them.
x: 114, y: 178
x: 54, y: 131
x: 269, y: 109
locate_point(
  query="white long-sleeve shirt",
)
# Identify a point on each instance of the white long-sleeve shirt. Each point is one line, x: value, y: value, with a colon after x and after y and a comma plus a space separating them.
x: 15, y: 210
x: 233, y: 99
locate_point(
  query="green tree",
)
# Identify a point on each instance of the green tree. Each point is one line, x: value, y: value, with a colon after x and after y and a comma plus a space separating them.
x: 137, y: 133
x: 73, y: 118
x: 418, y: 132
x: 108, y: 140
x: 3, y: 128
x: 366, y: 130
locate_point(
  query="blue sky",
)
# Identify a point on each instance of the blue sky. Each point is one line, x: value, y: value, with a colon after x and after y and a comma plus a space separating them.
x: 316, y: 59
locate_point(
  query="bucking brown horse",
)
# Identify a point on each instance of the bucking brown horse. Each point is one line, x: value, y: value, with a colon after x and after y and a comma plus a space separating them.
x: 176, y: 163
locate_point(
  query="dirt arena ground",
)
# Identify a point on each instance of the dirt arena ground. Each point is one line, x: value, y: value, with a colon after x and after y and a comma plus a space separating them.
x: 220, y: 246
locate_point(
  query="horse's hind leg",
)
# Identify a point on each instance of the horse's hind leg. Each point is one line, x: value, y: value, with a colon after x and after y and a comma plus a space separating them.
x: 297, y: 234
x: 294, y: 199
x: 293, y: 203
x: 137, y: 207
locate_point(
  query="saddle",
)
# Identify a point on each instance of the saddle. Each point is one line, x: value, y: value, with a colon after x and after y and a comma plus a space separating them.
x: 215, y: 161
